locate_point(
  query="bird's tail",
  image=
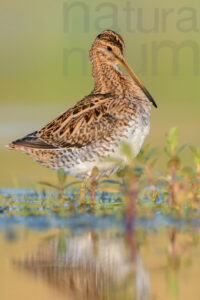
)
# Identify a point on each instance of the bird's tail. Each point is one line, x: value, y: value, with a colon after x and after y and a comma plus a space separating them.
x: 42, y: 152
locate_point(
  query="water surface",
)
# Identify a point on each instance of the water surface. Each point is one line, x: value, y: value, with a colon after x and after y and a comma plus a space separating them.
x: 89, y: 256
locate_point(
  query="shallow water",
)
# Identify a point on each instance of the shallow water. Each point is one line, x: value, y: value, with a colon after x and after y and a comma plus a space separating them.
x: 88, y: 256
x: 60, y: 263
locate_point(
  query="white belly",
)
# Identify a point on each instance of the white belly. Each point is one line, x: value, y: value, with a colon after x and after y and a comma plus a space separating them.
x: 135, y: 137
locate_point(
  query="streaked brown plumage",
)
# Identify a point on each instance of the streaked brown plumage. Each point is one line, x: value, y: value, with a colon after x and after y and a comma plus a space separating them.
x: 116, y: 110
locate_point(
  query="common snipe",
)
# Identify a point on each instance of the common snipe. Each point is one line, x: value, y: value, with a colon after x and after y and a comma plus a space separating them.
x: 116, y: 110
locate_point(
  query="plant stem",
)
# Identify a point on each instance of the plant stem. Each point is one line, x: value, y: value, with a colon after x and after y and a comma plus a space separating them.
x: 171, y: 192
x: 83, y: 191
x: 198, y: 171
x: 150, y: 178
x: 93, y: 191
x: 131, y: 206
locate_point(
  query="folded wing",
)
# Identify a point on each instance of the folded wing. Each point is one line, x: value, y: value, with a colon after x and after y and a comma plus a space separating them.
x: 85, y: 123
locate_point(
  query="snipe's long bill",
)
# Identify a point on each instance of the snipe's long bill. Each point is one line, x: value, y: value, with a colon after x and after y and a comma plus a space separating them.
x: 116, y: 110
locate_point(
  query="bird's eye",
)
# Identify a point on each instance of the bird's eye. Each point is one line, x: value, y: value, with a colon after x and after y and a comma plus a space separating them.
x: 109, y: 48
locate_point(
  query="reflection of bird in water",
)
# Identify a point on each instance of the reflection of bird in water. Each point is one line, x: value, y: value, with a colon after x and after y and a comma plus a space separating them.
x: 88, y: 266
x: 116, y: 110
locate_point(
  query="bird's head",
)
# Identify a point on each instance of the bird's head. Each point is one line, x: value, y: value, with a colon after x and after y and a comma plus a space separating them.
x: 110, y: 46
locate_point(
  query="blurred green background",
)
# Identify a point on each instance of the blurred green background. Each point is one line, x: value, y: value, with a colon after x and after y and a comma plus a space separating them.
x: 44, y: 67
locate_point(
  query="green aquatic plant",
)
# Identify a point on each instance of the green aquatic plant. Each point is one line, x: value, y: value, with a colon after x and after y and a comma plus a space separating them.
x: 148, y: 160
x: 196, y: 156
x: 174, y: 161
x: 62, y: 187
x: 183, y: 180
x: 93, y: 185
x: 130, y: 177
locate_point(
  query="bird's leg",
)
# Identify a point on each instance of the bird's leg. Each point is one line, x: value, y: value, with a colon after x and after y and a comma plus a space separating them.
x: 93, y: 191
x: 94, y: 182
x: 83, y: 190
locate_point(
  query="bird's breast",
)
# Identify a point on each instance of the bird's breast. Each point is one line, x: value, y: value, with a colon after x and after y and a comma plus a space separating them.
x: 138, y: 130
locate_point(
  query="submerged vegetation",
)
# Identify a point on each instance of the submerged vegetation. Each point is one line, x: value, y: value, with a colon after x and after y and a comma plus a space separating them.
x: 138, y: 189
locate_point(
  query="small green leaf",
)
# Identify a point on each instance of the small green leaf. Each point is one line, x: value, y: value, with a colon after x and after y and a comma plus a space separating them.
x: 167, y: 150
x: 126, y: 150
x: 71, y: 183
x: 180, y: 149
x: 142, y: 153
x: 123, y: 172
x: 95, y: 172
x: 49, y: 184
x: 196, y: 154
x: 150, y: 154
x: 110, y: 181
x: 62, y: 176
x: 146, y: 153
x: 138, y: 171
x: 172, y: 139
